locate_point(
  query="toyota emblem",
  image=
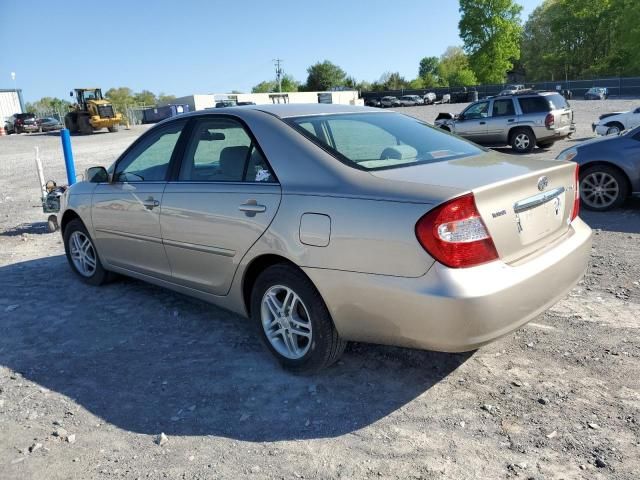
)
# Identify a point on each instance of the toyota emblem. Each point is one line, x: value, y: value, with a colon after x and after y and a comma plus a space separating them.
x: 543, y: 182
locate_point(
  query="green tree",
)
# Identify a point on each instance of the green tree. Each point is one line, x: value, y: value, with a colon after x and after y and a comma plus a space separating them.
x: 565, y: 38
x: 48, y: 105
x: 145, y: 97
x: 288, y: 84
x: 428, y: 71
x: 454, y: 70
x: 491, y: 31
x: 393, y: 81
x: 120, y: 97
x: 325, y: 76
x: 165, y: 99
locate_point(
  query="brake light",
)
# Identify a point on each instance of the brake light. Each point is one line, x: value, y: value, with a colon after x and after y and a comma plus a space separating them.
x: 455, y: 235
x: 549, y: 120
x: 576, y: 198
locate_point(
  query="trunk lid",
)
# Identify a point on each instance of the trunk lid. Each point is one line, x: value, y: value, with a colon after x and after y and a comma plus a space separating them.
x: 522, y: 211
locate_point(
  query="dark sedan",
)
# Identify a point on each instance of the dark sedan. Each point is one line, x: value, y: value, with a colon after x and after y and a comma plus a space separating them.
x: 609, y: 169
x: 596, y: 93
x: 49, y: 124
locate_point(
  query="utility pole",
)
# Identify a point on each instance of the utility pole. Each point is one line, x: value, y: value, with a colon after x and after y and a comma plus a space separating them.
x: 279, y: 71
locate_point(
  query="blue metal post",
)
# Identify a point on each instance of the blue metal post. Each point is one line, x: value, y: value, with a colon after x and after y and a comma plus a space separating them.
x: 68, y: 156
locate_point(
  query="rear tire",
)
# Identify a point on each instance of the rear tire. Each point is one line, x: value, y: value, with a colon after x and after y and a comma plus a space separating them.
x: 614, y: 128
x: 603, y: 188
x: 522, y: 140
x: 113, y: 128
x: 293, y: 320
x: 82, y: 254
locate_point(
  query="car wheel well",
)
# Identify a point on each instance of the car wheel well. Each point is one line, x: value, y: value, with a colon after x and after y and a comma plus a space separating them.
x: 590, y: 165
x: 66, y: 218
x: 615, y: 123
x: 255, y: 268
x: 514, y: 129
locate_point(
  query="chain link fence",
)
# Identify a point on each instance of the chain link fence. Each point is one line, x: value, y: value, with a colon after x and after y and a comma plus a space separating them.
x: 618, y: 87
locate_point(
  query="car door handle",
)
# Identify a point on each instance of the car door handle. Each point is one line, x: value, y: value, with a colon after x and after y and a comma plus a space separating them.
x: 251, y: 206
x: 150, y: 203
x: 483, y: 123
x: 511, y: 120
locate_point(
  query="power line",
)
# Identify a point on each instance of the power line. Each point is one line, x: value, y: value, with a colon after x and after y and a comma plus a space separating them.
x: 279, y: 71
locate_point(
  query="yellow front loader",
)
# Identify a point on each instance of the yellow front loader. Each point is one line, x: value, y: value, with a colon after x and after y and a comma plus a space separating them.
x: 91, y: 112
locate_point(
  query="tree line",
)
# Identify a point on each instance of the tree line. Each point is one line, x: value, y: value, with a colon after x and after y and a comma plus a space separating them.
x: 560, y: 39
x: 121, y: 98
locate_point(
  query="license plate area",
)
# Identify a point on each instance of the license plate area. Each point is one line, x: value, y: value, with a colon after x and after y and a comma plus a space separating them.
x: 540, y: 215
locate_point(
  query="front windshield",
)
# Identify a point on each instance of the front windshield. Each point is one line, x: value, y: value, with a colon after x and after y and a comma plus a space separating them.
x: 374, y: 141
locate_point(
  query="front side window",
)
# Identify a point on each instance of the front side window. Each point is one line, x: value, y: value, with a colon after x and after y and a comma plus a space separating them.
x: 373, y: 141
x: 502, y: 108
x: 478, y: 110
x: 221, y: 150
x: 148, y: 160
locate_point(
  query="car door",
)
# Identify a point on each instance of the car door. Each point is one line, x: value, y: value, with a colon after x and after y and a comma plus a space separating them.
x: 633, y: 120
x: 126, y: 211
x: 223, y: 199
x: 473, y: 123
x: 502, y: 118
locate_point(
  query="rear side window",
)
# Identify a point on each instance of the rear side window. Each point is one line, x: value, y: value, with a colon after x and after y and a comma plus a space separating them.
x: 534, y: 104
x: 374, y: 141
x: 221, y: 150
x: 558, y: 102
x: 502, y: 108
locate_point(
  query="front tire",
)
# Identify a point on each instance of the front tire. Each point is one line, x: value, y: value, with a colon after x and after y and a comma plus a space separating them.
x: 523, y: 140
x: 614, y: 128
x: 602, y: 188
x: 294, y: 321
x: 82, y: 254
x: 113, y: 128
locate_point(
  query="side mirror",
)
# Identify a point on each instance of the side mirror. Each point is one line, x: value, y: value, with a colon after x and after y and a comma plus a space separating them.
x: 96, y: 175
x: 460, y: 117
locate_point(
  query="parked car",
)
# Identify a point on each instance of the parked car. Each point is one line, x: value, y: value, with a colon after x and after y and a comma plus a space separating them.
x: 614, y: 123
x: 21, y: 122
x: 157, y: 114
x: 329, y: 223
x: 522, y: 121
x: 609, y: 169
x: 596, y: 93
x: 373, y: 102
x: 417, y: 99
x: 512, y: 89
x: 49, y: 124
x: 390, y: 102
x: 429, y: 98
x: 446, y: 98
x: 407, y: 101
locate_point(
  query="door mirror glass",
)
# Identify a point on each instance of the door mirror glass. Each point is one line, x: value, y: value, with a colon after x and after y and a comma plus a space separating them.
x: 96, y: 175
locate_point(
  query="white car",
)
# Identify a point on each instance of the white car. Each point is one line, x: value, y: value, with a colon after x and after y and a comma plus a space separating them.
x: 614, y: 123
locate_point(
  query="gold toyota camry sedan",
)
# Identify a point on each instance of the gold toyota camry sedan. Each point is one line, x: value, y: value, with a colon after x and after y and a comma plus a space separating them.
x: 330, y: 223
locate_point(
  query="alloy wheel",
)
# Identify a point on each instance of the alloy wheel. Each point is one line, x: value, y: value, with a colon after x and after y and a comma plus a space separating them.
x: 82, y: 254
x: 599, y: 190
x: 613, y: 130
x: 522, y: 141
x: 286, y: 322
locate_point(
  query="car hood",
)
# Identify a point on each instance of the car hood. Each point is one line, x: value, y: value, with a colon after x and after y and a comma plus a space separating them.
x: 607, y: 138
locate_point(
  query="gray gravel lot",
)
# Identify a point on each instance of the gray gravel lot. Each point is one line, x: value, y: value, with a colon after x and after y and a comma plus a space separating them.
x: 90, y: 377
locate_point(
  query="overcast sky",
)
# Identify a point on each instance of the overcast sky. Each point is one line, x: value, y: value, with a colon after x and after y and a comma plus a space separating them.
x: 213, y: 46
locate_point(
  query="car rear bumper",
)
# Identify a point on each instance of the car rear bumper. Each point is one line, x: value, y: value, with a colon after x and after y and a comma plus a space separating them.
x: 449, y: 309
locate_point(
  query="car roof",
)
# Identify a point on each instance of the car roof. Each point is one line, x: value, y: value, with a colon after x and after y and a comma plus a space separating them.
x: 298, y: 109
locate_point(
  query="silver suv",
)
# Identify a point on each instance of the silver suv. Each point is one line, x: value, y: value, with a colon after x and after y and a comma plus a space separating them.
x: 522, y: 120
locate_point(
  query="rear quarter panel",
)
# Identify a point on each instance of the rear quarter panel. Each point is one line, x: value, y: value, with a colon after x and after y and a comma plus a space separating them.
x: 367, y: 236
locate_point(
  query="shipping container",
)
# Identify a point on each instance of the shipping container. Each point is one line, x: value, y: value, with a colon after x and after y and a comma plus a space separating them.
x: 156, y: 114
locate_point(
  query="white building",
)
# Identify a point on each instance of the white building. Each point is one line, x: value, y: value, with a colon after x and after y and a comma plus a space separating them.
x: 10, y: 103
x: 203, y: 101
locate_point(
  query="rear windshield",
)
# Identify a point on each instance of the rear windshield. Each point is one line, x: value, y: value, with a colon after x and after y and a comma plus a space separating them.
x: 22, y: 116
x: 557, y: 102
x: 375, y: 141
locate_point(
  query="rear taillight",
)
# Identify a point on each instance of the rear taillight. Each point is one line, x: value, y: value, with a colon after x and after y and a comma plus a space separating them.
x: 576, y: 198
x: 549, y: 120
x: 455, y: 235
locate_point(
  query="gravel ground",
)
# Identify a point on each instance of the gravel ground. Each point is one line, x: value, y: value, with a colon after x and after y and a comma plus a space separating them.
x: 89, y: 378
